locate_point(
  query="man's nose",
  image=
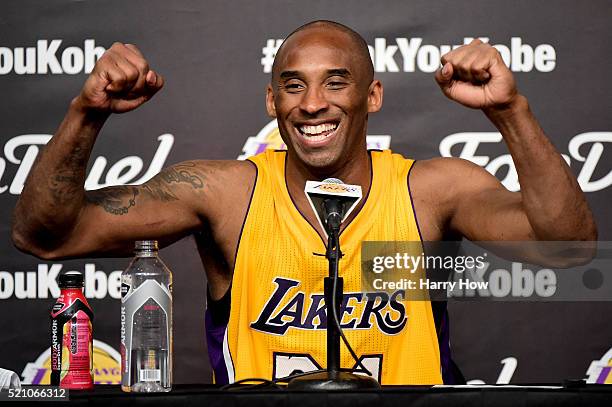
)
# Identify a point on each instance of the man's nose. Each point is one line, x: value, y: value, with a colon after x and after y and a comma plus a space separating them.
x: 314, y: 101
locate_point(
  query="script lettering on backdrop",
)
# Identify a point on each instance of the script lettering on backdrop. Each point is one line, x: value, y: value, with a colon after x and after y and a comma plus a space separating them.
x: 122, y: 172
x: 596, y: 140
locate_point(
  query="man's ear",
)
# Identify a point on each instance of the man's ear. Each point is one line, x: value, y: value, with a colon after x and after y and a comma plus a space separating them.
x: 270, y: 101
x: 375, y: 96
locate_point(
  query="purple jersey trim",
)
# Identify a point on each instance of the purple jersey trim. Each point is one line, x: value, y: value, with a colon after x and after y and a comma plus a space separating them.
x: 214, y: 341
x: 451, y: 374
x: 604, y: 375
x: 444, y: 344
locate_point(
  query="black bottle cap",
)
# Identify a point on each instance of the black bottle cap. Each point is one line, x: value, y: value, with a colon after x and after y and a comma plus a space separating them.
x: 70, y: 279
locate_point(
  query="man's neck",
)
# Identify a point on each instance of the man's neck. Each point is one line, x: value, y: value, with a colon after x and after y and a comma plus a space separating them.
x: 357, y: 171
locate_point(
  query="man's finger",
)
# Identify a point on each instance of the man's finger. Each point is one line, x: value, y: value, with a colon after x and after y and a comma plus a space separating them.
x: 456, y: 55
x: 129, y: 58
x: 116, y: 80
x: 135, y: 50
x: 444, y: 75
x: 151, y: 78
x: 154, y: 82
x: 131, y: 73
x: 133, y: 55
x: 480, y: 75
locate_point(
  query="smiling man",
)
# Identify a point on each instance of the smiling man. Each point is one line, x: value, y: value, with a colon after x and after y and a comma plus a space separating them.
x: 256, y: 233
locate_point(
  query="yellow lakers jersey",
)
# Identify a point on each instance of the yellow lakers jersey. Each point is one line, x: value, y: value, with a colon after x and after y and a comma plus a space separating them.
x: 277, y: 320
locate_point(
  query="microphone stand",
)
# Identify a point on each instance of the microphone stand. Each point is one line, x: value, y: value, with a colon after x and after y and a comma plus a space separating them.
x: 334, y: 378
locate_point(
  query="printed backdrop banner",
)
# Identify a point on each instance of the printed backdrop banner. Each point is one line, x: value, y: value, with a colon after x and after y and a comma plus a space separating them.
x: 216, y: 57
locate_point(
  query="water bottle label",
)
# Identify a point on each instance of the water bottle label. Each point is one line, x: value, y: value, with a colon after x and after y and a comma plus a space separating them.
x: 149, y: 375
x: 125, y: 289
x: 126, y: 284
x: 57, y: 307
x: 149, y: 296
x: 71, y: 350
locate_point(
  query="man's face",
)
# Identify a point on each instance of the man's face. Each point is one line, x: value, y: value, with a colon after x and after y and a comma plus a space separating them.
x: 321, y: 95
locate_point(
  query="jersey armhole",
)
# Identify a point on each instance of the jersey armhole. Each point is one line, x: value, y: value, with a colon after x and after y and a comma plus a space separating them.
x: 416, y: 218
x: 219, y: 309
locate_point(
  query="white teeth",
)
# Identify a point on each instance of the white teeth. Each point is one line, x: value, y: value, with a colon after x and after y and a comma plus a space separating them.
x: 316, y: 138
x: 312, y: 130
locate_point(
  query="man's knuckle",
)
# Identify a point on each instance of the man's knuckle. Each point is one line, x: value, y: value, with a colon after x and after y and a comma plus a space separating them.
x: 493, y: 52
x: 133, y: 47
x: 121, y: 77
x: 142, y: 65
x: 108, y: 54
x: 132, y: 74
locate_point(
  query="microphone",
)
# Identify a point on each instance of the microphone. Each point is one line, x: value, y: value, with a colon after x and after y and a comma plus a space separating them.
x: 332, y: 201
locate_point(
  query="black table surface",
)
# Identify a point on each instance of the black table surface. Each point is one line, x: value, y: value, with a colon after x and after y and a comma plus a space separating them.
x: 203, y: 395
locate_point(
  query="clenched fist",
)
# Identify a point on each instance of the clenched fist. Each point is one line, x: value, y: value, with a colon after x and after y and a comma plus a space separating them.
x: 475, y: 76
x: 120, y: 81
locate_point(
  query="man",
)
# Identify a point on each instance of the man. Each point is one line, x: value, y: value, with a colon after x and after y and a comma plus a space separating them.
x: 257, y: 235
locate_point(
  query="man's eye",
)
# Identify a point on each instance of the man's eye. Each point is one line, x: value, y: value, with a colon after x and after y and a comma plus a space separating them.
x: 336, y: 85
x: 293, y: 86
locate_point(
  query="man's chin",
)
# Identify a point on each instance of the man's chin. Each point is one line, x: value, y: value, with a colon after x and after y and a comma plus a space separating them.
x: 320, y: 162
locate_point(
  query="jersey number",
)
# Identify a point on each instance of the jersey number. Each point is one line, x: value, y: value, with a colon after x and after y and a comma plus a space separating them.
x: 287, y: 364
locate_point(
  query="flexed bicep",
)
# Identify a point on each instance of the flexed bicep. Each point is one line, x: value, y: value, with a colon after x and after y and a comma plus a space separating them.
x: 167, y: 186
x: 167, y: 207
x: 483, y: 208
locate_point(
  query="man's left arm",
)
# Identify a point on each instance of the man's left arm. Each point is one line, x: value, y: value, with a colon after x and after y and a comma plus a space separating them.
x: 550, y: 205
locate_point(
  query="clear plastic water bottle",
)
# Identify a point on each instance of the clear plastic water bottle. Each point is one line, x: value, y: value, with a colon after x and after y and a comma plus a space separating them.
x: 146, y: 322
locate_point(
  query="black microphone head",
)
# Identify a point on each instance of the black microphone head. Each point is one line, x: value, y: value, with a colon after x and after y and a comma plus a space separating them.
x: 333, y: 202
x: 334, y: 209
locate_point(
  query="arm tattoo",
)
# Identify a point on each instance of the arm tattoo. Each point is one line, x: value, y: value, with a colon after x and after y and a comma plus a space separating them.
x: 181, y: 173
x: 66, y: 182
x: 113, y: 199
x: 118, y: 200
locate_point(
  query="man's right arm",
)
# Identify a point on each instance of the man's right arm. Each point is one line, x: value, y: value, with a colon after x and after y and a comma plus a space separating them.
x: 56, y: 218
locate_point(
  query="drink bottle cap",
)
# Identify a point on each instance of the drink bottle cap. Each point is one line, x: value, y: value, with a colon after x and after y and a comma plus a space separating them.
x: 146, y: 245
x: 70, y: 279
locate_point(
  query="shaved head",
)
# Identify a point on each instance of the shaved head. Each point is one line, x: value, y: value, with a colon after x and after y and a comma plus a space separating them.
x: 321, y: 92
x: 359, y: 48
